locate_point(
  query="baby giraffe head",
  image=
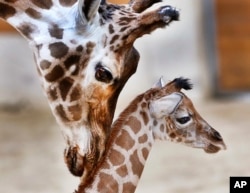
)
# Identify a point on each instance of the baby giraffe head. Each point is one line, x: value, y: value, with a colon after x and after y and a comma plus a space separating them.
x: 179, y: 121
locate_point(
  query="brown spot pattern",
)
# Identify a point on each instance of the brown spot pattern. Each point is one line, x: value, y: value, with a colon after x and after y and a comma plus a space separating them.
x: 27, y: 29
x: 134, y: 123
x: 115, y: 37
x: 60, y: 111
x: 111, y: 29
x: 144, y: 117
x: 126, y: 19
x: 76, y: 93
x: 111, y: 48
x: 105, y: 165
x: 123, y: 29
x: 73, y: 59
x: 128, y: 187
x: 108, y: 182
x: 143, y: 139
x: 76, y: 112
x: 79, y: 48
x: 85, y: 59
x: 44, y: 4
x: 117, y: 158
x: 45, y: 64
x: 73, y: 41
x: 145, y: 153
x: 67, y: 3
x: 65, y: 86
x: 33, y: 13
x: 125, y: 140
x: 137, y: 166
x: 122, y: 171
x: 90, y: 46
x: 58, y: 49
x: 56, y: 73
x: 172, y: 135
x: 6, y: 11
x: 52, y: 93
x: 56, y: 32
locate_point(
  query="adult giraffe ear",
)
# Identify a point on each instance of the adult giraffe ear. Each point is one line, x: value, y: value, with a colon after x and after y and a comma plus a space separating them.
x: 87, y: 9
x: 159, y: 84
x: 165, y: 105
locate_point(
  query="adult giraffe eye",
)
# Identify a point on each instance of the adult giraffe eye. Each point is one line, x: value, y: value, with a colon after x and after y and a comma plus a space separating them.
x: 183, y: 120
x: 103, y: 74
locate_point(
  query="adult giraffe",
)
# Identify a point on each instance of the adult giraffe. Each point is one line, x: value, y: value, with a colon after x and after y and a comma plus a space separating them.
x: 84, y: 54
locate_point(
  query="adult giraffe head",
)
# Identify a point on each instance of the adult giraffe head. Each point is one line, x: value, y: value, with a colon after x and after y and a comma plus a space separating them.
x: 84, y: 54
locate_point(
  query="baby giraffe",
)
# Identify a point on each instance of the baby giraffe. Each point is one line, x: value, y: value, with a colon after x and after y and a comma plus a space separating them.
x: 163, y: 113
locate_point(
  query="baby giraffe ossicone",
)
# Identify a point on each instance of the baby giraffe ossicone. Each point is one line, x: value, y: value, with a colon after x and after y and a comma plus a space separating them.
x: 161, y: 113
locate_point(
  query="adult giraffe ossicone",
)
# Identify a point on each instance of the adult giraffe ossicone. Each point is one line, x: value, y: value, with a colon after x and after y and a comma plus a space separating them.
x: 84, y: 54
x: 161, y: 113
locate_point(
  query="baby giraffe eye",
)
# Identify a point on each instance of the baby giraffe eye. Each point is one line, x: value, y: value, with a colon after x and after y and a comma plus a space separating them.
x: 183, y: 120
x: 103, y: 74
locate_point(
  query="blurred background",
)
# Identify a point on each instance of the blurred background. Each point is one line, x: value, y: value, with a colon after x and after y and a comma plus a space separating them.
x: 210, y: 45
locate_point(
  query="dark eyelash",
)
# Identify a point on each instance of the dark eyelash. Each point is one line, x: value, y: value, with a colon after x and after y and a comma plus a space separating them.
x: 183, y: 120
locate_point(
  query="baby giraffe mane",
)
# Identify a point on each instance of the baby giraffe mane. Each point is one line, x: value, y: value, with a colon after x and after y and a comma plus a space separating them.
x: 183, y: 83
x: 125, y: 113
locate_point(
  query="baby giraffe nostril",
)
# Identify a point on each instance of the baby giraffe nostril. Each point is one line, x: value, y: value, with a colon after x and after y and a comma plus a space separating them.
x: 217, y: 136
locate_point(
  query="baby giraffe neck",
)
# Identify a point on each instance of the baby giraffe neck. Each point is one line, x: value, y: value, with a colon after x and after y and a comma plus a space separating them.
x: 128, y: 148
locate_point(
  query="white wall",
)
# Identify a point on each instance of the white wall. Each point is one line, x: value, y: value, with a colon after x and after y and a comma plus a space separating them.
x: 19, y: 82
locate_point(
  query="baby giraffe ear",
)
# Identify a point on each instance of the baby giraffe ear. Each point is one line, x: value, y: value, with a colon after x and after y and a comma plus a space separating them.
x: 159, y: 84
x: 166, y: 105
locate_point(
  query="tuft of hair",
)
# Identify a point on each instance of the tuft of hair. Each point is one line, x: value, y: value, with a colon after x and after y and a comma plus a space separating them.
x: 183, y: 83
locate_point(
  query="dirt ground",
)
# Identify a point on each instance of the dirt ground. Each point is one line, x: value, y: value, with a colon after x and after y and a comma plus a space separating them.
x: 31, y: 149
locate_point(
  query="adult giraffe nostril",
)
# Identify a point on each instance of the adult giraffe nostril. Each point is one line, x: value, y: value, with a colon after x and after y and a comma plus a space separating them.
x: 102, y: 74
